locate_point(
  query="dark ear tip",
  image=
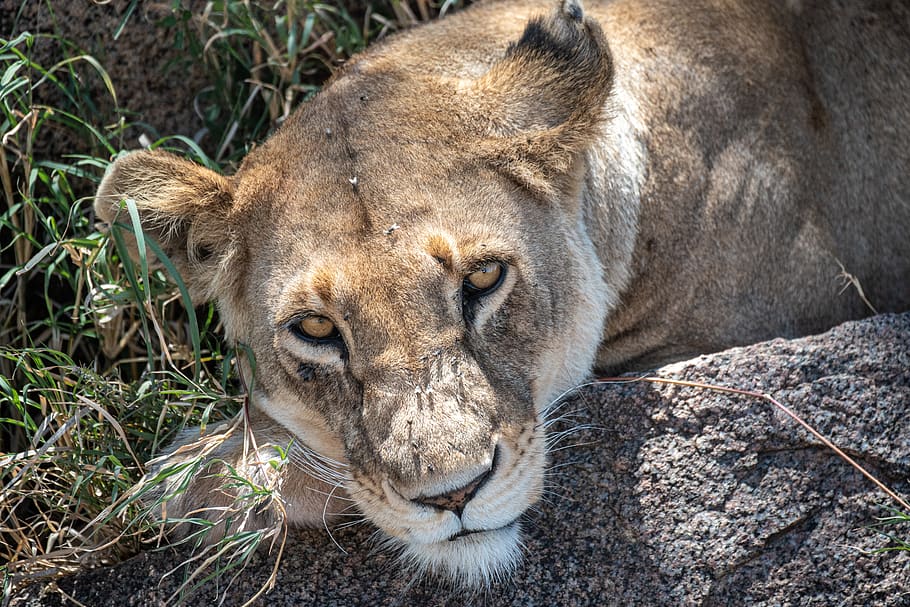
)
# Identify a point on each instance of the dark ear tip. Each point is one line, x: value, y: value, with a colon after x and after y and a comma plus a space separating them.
x: 573, y: 10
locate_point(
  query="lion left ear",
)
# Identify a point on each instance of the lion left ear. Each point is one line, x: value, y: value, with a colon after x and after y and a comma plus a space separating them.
x: 184, y: 207
x: 544, y: 100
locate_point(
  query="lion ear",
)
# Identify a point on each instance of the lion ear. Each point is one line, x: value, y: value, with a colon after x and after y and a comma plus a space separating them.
x: 182, y: 206
x: 543, y: 102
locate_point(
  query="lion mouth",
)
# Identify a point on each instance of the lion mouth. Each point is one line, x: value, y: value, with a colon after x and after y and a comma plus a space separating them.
x: 467, y: 532
x: 478, y: 542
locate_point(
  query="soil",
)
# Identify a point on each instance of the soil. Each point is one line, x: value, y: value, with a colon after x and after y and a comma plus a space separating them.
x: 152, y: 77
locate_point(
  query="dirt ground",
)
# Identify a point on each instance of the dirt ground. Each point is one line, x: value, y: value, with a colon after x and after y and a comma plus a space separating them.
x: 153, y: 79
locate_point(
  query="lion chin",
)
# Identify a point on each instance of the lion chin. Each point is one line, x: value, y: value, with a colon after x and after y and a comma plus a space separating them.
x: 467, y: 559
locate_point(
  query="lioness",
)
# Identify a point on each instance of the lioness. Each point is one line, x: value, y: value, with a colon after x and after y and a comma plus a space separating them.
x: 473, y: 215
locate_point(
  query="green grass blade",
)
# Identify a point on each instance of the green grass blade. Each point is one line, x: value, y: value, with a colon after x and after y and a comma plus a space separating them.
x: 187, y: 303
x: 141, y: 251
x: 117, y: 230
x: 126, y: 17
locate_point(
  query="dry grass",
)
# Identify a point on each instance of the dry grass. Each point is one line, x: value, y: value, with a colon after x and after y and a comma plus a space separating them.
x: 102, y: 360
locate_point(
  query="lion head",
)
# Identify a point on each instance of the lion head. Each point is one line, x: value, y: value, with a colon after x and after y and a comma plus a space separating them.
x: 408, y: 262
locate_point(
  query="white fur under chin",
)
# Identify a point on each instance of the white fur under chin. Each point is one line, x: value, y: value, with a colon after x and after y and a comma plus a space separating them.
x: 475, y: 560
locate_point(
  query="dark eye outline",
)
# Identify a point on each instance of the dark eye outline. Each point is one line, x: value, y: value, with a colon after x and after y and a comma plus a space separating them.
x: 471, y: 293
x: 334, y: 338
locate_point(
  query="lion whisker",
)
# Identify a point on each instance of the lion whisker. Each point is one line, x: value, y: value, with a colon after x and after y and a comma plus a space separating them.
x: 343, y: 514
x: 572, y: 430
x: 313, y: 459
x: 325, y: 521
x: 556, y: 495
x: 353, y: 523
x: 316, y: 470
x: 562, y: 465
x: 568, y: 417
x: 561, y: 400
x: 331, y: 494
x: 554, y: 447
x: 572, y: 446
x: 350, y: 506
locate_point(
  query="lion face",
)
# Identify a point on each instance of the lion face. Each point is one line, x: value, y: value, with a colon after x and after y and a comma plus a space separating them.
x: 408, y: 265
x: 422, y: 324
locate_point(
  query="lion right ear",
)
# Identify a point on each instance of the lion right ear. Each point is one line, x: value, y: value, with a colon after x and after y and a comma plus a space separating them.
x: 542, y: 103
x: 183, y: 206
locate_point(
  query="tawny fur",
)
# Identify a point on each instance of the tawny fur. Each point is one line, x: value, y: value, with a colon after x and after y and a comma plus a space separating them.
x: 659, y: 179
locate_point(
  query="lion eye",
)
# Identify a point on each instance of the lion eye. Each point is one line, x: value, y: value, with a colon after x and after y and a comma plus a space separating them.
x: 484, y: 280
x: 317, y: 328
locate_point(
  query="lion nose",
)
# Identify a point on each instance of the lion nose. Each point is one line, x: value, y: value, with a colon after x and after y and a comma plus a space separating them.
x: 455, y: 500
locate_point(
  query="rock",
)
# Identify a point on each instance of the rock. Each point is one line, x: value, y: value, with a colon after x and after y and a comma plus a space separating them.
x: 680, y: 496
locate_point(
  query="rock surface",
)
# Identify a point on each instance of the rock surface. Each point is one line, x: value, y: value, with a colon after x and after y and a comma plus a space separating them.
x: 680, y: 496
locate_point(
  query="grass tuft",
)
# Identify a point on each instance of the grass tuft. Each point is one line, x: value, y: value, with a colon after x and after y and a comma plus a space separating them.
x: 894, y: 529
x: 103, y: 360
